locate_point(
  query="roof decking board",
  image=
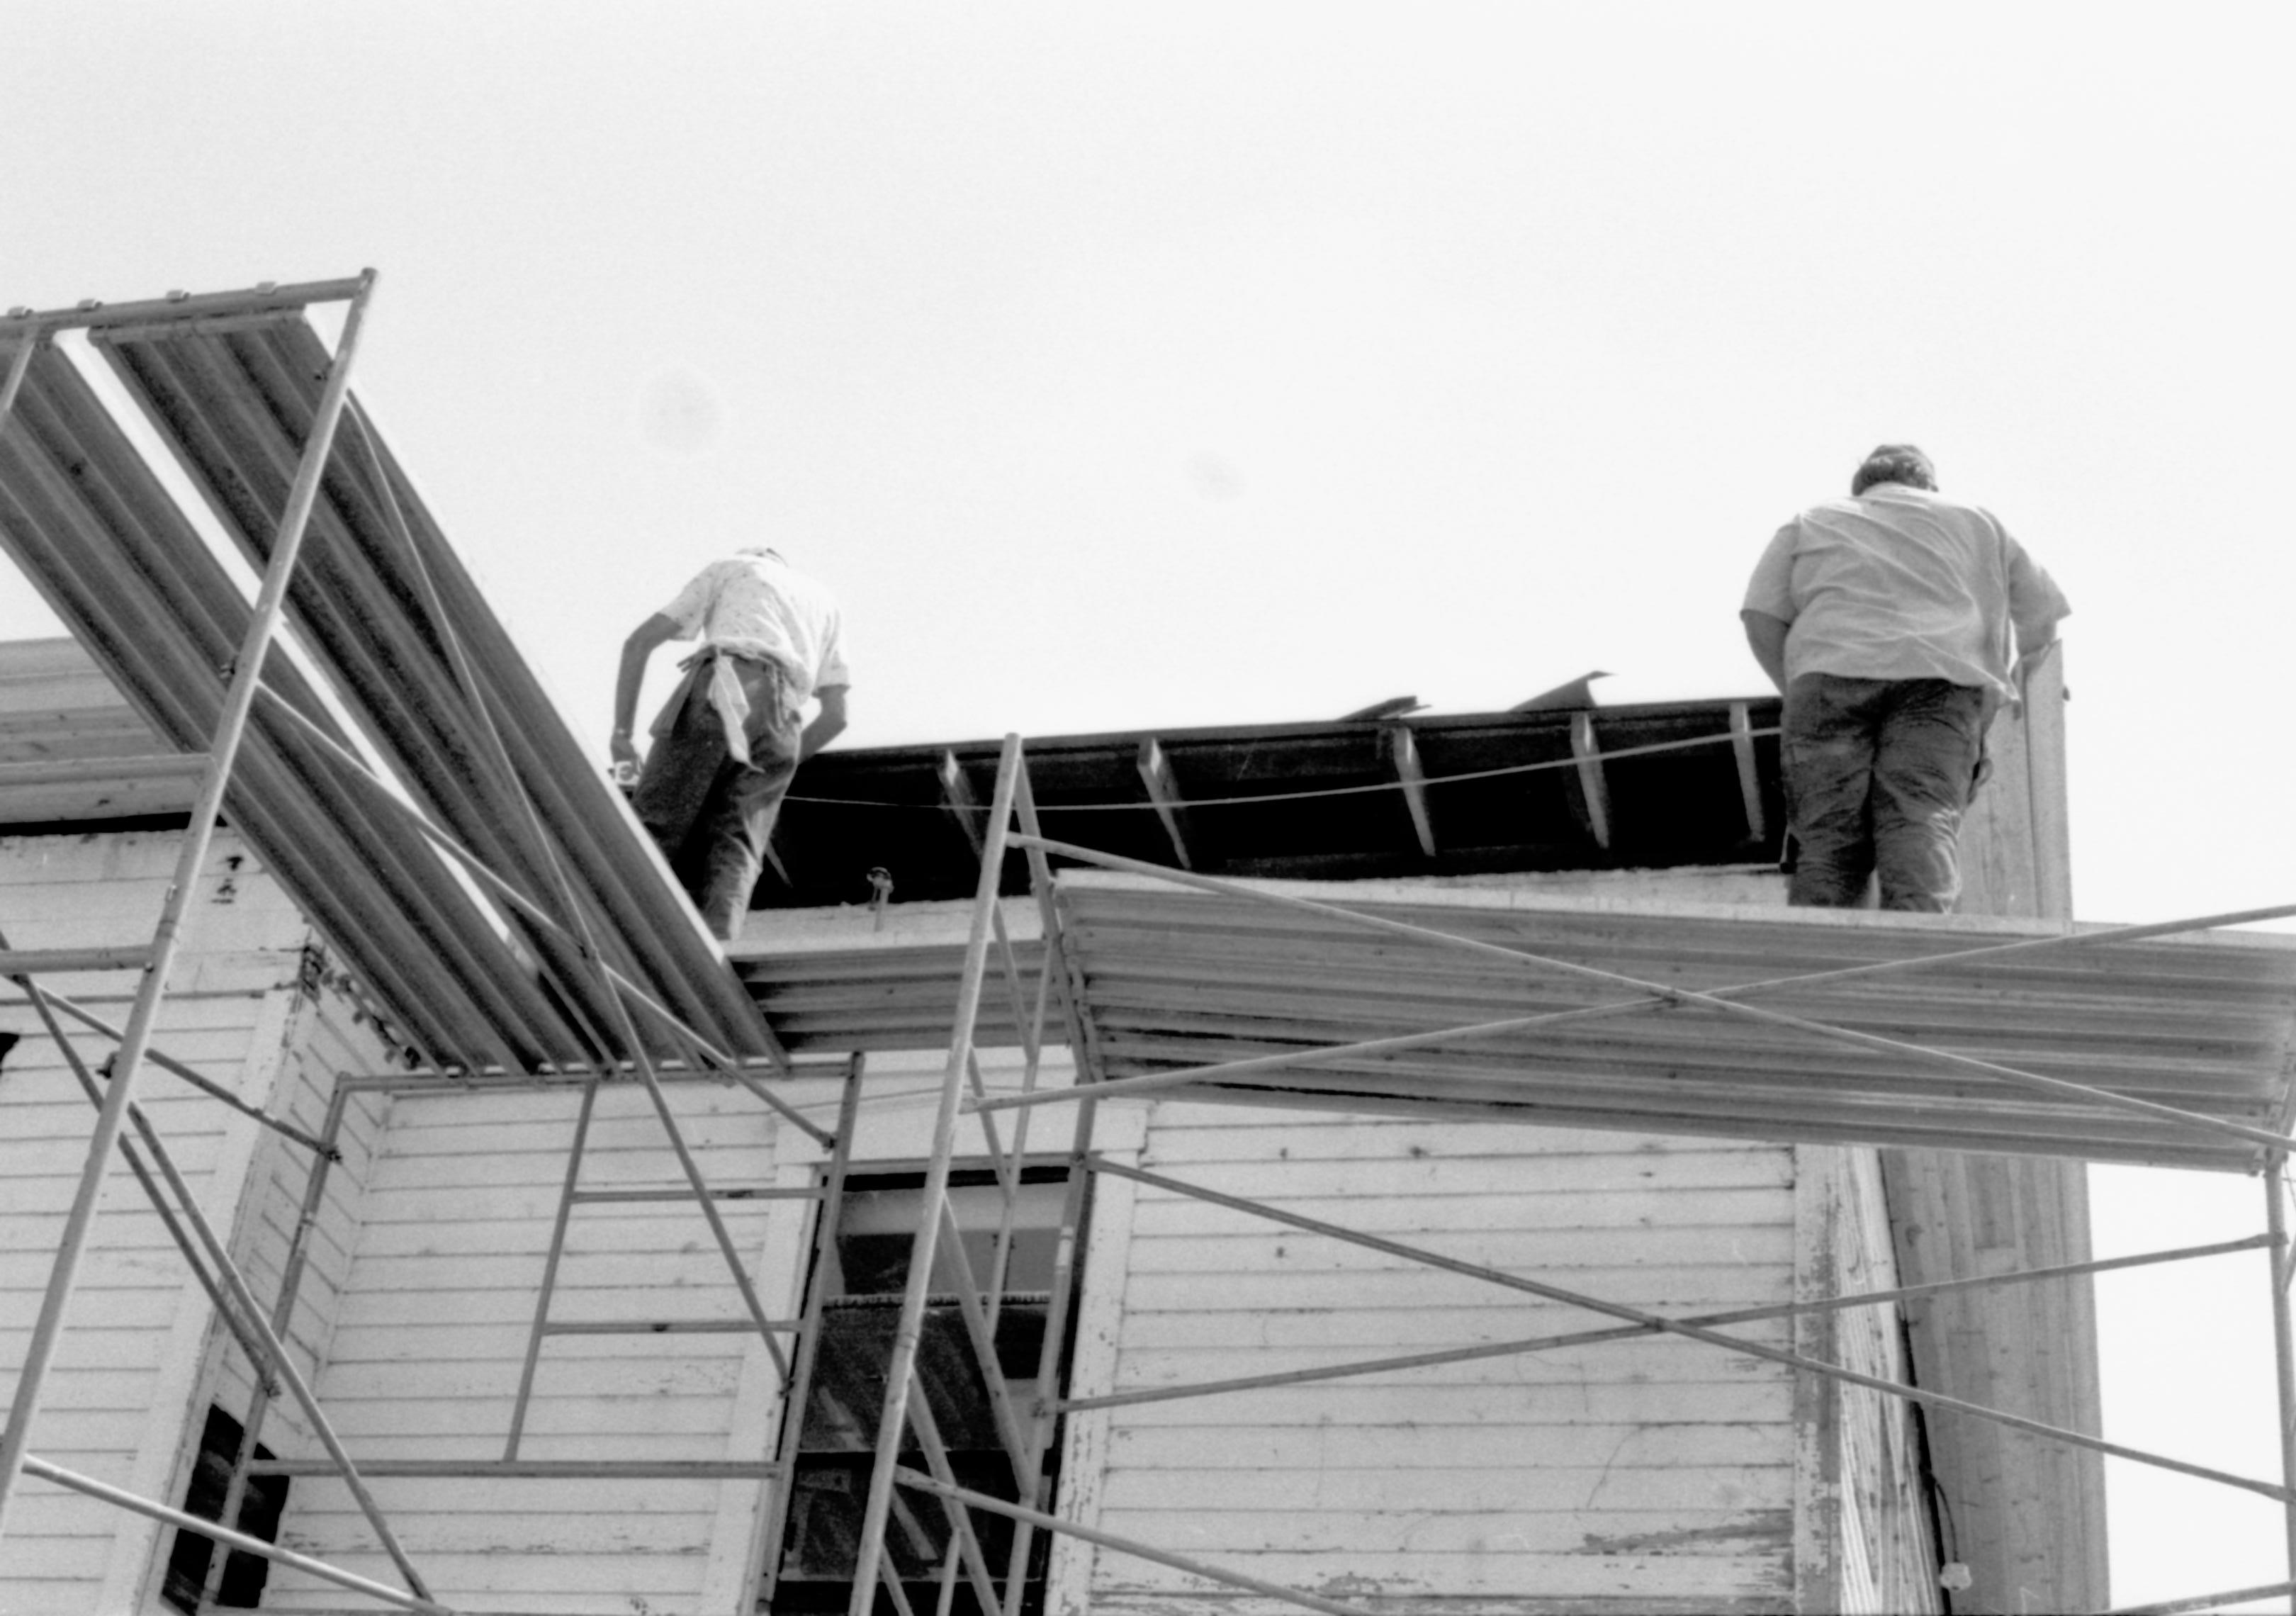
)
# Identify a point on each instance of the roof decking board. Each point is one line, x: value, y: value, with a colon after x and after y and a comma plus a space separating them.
x: 1252, y: 810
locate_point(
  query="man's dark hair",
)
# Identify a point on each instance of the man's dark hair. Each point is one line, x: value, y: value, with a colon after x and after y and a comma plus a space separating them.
x: 1895, y: 463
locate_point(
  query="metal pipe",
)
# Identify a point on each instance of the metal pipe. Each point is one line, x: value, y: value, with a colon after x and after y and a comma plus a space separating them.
x: 57, y: 962
x: 965, y: 1543
x: 169, y: 1064
x: 282, y: 1365
x: 1792, y: 1360
x: 193, y: 1260
x: 520, y: 781
x: 691, y: 1168
x: 263, y: 299
x: 653, y: 1470
x: 1149, y: 1083
x: 977, y: 1329
x: 191, y: 860
x: 282, y: 1318
x: 1195, y: 1568
x: 676, y: 1326
x: 910, y: 1331
x: 765, y: 1556
x: 582, y: 1115
x: 1681, y: 995
x: 443, y: 842
x: 1624, y: 1333
x: 34, y: 1465
x: 1067, y: 1252
x: 2204, y: 1602
x: 2283, y: 1343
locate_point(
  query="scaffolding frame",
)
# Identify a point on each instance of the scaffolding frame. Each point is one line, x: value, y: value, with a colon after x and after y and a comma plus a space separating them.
x: 1029, y: 1435
x: 264, y: 1339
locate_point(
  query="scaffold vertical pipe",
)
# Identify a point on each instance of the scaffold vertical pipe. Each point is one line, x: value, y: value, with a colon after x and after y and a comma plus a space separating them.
x: 2283, y: 1339
x: 270, y: 604
x: 1068, y: 1252
x: 899, y: 1371
x: 282, y: 1322
x: 764, y: 1569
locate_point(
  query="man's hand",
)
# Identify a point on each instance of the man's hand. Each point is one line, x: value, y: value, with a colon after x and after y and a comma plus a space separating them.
x: 656, y: 631
x: 827, y: 724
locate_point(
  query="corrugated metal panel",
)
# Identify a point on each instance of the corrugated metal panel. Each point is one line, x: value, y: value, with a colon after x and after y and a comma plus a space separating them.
x: 1173, y: 978
x: 378, y: 605
x: 836, y: 999
x: 94, y: 530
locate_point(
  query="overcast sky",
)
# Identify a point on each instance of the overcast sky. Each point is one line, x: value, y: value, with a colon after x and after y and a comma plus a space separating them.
x: 1185, y: 364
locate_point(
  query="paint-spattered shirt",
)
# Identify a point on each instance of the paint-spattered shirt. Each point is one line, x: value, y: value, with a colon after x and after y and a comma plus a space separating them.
x: 756, y: 604
x: 1901, y: 583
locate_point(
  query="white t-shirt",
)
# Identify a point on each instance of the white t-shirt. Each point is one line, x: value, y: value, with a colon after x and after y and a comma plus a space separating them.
x: 754, y: 604
x: 1901, y: 583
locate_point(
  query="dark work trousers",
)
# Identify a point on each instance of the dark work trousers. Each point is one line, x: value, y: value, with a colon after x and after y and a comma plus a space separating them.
x: 712, y: 815
x: 1878, y: 772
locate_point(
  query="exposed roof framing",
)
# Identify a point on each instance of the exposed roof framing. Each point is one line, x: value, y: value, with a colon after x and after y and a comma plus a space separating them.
x: 1156, y: 775
x: 1749, y: 774
x: 1594, y: 792
x: 1317, y: 800
x: 1403, y: 754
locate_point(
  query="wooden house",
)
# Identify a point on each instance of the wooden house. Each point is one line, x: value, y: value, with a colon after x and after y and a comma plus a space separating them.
x: 1408, y: 1164
x: 1638, y: 1474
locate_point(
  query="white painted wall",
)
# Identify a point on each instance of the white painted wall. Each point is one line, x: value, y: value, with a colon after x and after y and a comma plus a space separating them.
x: 435, y: 1306
x: 1658, y: 1475
x: 1653, y: 1476
x: 120, y: 1399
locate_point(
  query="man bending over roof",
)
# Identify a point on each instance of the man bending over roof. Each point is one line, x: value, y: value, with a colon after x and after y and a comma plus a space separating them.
x: 728, y: 742
x: 1887, y: 619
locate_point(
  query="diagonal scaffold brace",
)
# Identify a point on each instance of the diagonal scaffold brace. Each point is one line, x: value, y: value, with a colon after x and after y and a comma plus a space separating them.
x: 231, y: 727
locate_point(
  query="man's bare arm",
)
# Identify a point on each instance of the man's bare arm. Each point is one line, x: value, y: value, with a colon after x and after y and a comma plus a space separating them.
x: 827, y: 724
x: 1766, y: 637
x: 656, y: 631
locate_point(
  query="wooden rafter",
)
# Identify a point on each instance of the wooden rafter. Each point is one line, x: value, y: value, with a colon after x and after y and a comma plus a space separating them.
x: 1403, y: 757
x: 1156, y: 775
x: 1591, y: 785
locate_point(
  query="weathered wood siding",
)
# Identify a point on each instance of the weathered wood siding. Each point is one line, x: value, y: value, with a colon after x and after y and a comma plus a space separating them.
x: 118, y: 1402
x: 1864, y: 1541
x: 326, y: 1037
x: 1647, y: 1476
x: 432, y: 1315
x: 2027, y: 1514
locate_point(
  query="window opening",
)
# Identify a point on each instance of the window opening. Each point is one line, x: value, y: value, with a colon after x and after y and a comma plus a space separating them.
x: 834, y: 1451
x: 260, y: 1505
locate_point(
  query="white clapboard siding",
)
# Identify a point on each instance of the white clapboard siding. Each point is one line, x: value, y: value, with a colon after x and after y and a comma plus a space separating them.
x: 430, y: 1324
x: 121, y: 1399
x: 1622, y: 1476
x: 326, y: 1037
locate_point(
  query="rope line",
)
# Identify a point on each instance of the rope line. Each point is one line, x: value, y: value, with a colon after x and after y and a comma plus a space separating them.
x: 1335, y: 791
